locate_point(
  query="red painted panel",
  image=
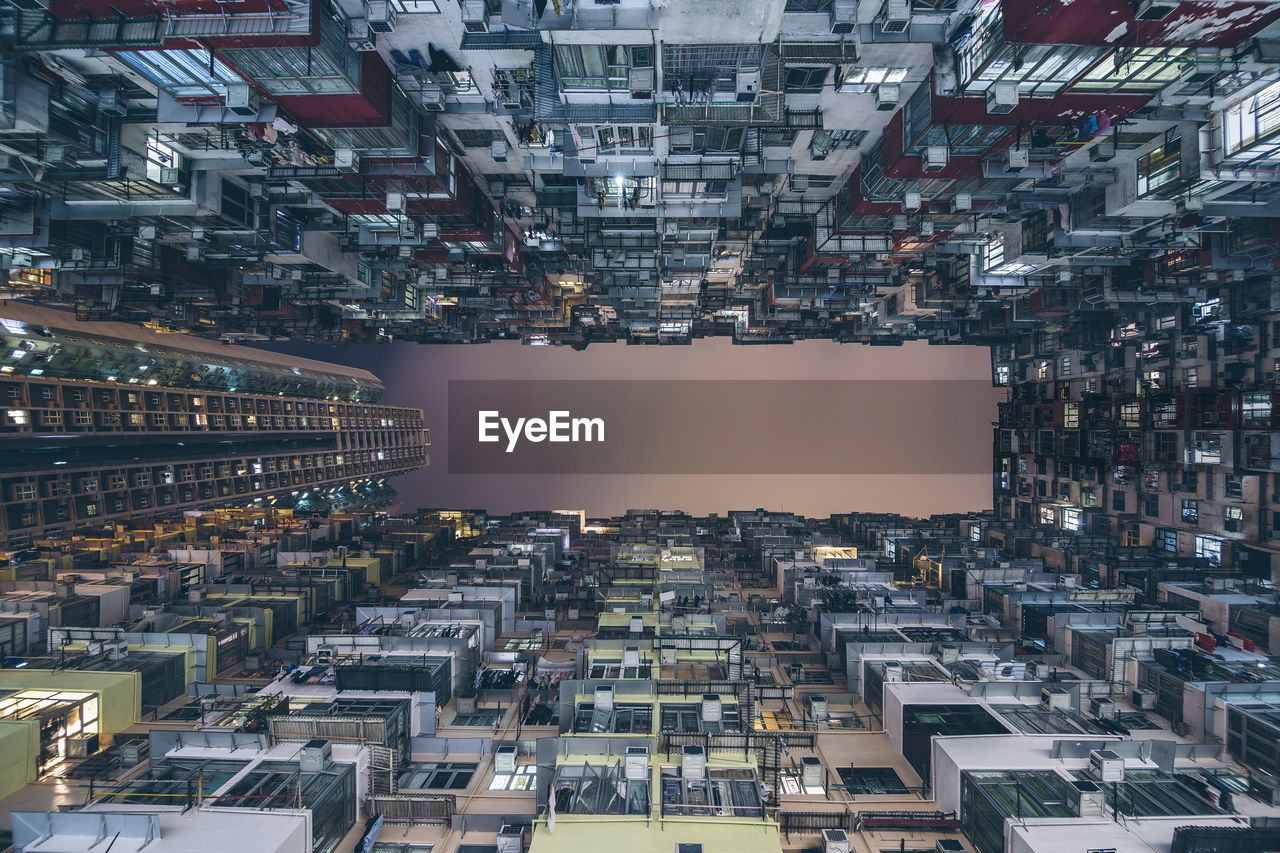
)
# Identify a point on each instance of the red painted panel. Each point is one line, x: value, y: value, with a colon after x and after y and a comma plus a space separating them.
x: 1206, y: 23
x: 370, y: 108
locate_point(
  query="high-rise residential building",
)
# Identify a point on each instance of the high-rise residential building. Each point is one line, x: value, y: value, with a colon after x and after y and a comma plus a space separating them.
x: 105, y: 421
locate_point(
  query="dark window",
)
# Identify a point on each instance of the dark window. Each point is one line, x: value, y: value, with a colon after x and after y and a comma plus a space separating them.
x: 806, y: 78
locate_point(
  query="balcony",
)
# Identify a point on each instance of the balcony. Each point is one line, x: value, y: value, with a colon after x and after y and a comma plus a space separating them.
x: 581, y: 15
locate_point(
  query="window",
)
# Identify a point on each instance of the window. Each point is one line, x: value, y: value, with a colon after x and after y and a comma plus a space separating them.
x: 1210, y: 548
x: 1207, y: 449
x: 860, y: 80
x: 1071, y: 415
x: 1160, y: 168
x: 1190, y: 510
x: 806, y: 78
x: 1002, y: 374
x: 1233, y: 485
x: 1117, y: 501
x: 478, y: 137
x: 181, y: 73
x: 1131, y: 415
x: 599, y: 66
x: 1167, y: 540
x: 1071, y: 518
x: 1250, y: 127
x: 482, y: 717
x: 620, y: 139
x: 826, y: 141
x: 437, y: 775
x: 24, y: 492
x: 1233, y: 519
x: 328, y: 68
x: 696, y: 68
x: 1256, y: 409
x: 705, y: 140
x: 1147, y: 69
x: 1066, y: 365
x: 524, y: 779
x: 1191, y: 377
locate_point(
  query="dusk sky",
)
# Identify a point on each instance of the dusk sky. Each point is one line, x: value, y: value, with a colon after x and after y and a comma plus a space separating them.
x: 418, y: 375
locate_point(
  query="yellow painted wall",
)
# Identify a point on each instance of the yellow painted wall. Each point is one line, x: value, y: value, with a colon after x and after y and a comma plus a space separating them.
x: 20, y: 746
x: 119, y: 693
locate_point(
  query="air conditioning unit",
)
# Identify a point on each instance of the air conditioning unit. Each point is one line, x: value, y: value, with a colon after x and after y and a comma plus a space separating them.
x: 511, y: 839
x: 498, y: 150
x: 640, y: 82
x: 1103, y: 709
x: 948, y: 845
x: 504, y: 759
x: 746, y: 86
x: 711, y: 711
x: 1055, y: 699
x: 887, y: 96
x: 693, y: 763
x: 111, y: 103
x: 430, y: 230
x: 604, y: 697
x: 896, y: 16
x: 799, y: 183
x: 82, y: 746
x: 316, y: 756
x: 912, y: 201
x: 432, y: 98
x: 116, y: 649
x: 131, y: 753
x: 1154, y: 10
x: 147, y: 232
x: 346, y: 161
x: 381, y: 16
x: 636, y: 764
x: 241, y: 99
x: 1016, y: 159
x: 963, y: 201
x: 1144, y: 700
x: 360, y: 37
x: 935, y: 158
x: 1002, y: 98
x: 1106, y: 765
x: 395, y: 202
x: 925, y: 228
x: 475, y: 18
x: 466, y: 704
x: 811, y: 771
x: 844, y: 16
x: 408, y: 231
x: 835, y: 841
x: 1093, y: 800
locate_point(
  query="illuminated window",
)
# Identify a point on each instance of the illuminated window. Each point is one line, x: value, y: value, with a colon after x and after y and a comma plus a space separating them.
x: 863, y: 79
x: 1251, y: 128
x: 1210, y: 548
x: 1160, y: 168
x: 524, y: 779
x: 1190, y: 510
x: 1256, y: 409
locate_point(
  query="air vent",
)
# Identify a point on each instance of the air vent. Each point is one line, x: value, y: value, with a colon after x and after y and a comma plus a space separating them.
x: 896, y: 16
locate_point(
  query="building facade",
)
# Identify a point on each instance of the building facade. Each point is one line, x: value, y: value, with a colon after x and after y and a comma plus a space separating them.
x: 107, y: 421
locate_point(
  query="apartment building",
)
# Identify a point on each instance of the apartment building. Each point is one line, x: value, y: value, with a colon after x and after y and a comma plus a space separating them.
x: 991, y: 702
x: 589, y: 171
x: 109, y: 421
